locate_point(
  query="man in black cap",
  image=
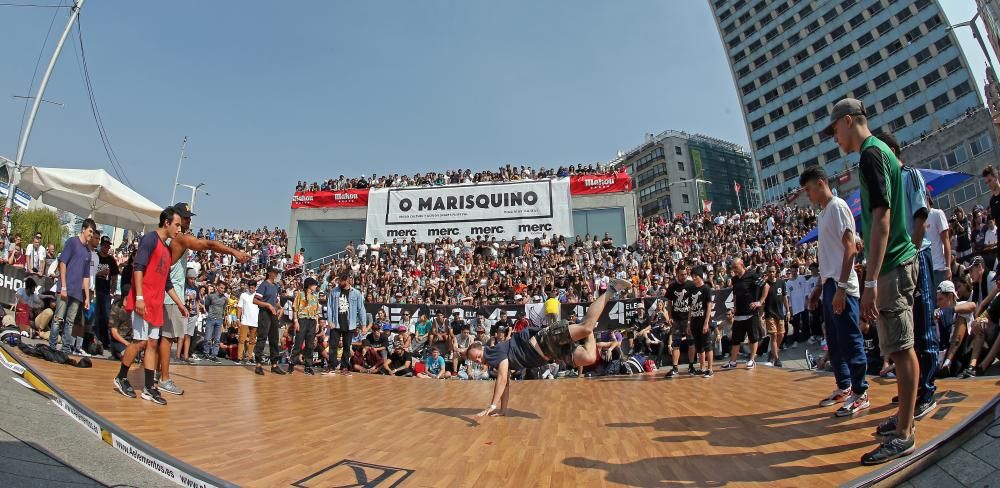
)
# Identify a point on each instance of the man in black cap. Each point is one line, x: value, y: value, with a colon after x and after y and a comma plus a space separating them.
x: 891, y: 269
x: 174, y: 322
x: 105, y: 286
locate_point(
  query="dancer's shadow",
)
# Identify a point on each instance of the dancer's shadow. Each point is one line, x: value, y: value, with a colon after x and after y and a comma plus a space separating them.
x: 758, y: 429
x: 716, y: 469
x: 467, y: 415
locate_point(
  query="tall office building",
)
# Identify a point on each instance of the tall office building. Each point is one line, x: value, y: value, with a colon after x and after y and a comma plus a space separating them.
x: 675, y: 173
x: 793, y: 59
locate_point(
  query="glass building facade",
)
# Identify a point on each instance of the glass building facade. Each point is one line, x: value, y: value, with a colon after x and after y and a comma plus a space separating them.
x: 793, y: 59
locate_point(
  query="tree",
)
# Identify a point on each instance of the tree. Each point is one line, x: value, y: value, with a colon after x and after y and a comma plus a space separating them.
x: 29, y: 222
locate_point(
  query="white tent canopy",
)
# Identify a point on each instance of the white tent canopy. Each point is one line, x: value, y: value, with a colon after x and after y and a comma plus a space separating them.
x: 92, y: 193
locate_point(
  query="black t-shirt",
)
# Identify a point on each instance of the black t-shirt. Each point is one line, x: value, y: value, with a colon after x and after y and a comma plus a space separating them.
x: 774, y: 306
x: 678, y: 295
x: 381, y: 341
x: 518, y: 350
x: 995, y: 207
x: 126, y: 281
x: 699, y: 299
x: 746, y: 290
x: 103, y: 285
x: 456, y: 326
x: 399, y: 357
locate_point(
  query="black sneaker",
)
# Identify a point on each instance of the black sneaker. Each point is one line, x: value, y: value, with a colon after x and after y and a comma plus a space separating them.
x: 122, y: 386
x: 291, y: 369
x: 214, y: 359
x: 887, y: 427
x: 309, y: 371
x: 968, y: 373
x: 153, y: 396
x: 707, y: 374
x: 892, y: 448
x: 277, y: 370
x: 895, y: 400
x: 673, y: 372
x: 924, y: 408
x: 699, y: 372
x: 777, y: 363
x: 691, y: 370
x: 259, y: 370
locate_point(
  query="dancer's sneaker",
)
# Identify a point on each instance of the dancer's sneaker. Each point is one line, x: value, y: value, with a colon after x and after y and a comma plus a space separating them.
x: 838, y: 396
x: 170, y: 387
x: 153, y: 395
x: 310, y: 372
x: 729, y: 365
x: 259, y: 370
x: 277, y: 370
x: 751, y: 363
x: 968, y: 373
x: 691, y: 371
x: 673, y: 373
x: 707, y: 374
x: 887, y: 427
x: 854, y: 404
x: 122, y: 386
x: 924, y: 408
x: 893, y: 447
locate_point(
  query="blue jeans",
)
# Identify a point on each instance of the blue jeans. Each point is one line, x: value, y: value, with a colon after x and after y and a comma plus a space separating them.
x: 103, y: 313
x: 213, y: 332
x: 67, y: 311
x: 845, y: 341
x: 925, y: 332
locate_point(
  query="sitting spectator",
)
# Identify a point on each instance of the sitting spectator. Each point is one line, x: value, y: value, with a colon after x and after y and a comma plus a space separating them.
x: 460, y: 344
x: 120, y: 326
x: 43, y: 320
x: 400, y: 362
x: 366, y: 360
x: 378, y: 340
x: 422, y: 337
x: 955, y: 320
x: 441, y: 336
x: 435, y: 366
x: 472, y: 370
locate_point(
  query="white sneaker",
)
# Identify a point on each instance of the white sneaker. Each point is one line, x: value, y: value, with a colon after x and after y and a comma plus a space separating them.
x: 751, y: 364
x: 81, y: 352
x: 769, y: 363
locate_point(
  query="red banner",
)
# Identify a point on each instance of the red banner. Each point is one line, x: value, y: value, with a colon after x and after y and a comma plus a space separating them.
x: 327, y: 199
x: 595, y: 184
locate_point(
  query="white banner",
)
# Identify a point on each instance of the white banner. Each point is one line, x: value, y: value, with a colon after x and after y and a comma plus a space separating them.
x: 522, y: 209
x: 81, y: 417
x: 163, y: 469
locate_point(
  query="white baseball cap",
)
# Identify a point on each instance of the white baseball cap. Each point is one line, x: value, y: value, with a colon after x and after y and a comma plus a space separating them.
x: 947, y: 287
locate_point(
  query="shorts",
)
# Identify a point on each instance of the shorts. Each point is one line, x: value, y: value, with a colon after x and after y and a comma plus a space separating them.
x: 774, y: 326
x: 231, y: 318
x: 556, y: 342
x: 190, y: 326
x: 701, y: 341
x: 141, y: 330
x: 895, y: 308
x: 746, y: 329
x: 678, y: 332
x: 173, y: 322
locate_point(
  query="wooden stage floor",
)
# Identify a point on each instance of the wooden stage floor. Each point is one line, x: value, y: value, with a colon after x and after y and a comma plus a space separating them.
x: 759, y: 427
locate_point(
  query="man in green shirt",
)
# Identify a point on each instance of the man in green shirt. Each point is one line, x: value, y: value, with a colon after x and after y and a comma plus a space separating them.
x: 891, y: 271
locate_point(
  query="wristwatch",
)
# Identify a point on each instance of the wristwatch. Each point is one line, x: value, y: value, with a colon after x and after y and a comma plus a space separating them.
x: 871, y: 284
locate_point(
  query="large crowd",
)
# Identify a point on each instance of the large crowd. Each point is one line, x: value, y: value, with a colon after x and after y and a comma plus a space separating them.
x: 453, y: 177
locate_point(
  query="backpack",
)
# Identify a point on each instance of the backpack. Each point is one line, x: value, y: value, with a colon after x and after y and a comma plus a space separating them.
x: 633, y: 366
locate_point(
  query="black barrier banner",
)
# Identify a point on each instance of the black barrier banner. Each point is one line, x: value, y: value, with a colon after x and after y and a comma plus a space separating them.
x: 616, y: 315
x: 12, y: 278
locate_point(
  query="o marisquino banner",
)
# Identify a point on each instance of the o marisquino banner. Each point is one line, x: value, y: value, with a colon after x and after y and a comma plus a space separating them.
x: 521, y: 209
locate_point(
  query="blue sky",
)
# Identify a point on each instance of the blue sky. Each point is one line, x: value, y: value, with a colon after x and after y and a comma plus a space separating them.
x: 273, y: 92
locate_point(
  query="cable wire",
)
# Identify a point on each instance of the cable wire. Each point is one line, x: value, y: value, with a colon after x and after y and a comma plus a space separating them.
x: 116, y: 165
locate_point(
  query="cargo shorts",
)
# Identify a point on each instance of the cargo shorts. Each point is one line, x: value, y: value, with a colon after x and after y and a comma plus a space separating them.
x: 895, y: 307
x: 556, y: 341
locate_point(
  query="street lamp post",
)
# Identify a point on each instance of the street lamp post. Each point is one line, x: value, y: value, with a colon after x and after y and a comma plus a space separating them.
x: 195, y: 189
x: 177, y: 178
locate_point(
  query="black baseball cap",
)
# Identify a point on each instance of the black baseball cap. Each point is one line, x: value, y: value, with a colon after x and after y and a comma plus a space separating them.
x: 105, y: 240
x: 843, y: 108
x: 183, y: 209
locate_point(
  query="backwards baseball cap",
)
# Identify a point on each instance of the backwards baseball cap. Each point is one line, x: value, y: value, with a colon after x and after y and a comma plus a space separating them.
x: 843, y: 108
x: 105, y: 240
x: 183, y: 209
x: 947, y: 287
